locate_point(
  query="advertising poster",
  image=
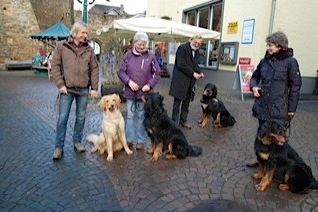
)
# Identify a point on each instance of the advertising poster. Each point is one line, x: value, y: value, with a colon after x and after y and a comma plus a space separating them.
x: 245, y: 73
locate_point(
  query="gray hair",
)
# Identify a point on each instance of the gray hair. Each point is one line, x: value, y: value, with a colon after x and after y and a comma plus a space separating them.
x: 77, y: 26
x: 278, y: 38
x: 195, y: 37
x: 142, y: 36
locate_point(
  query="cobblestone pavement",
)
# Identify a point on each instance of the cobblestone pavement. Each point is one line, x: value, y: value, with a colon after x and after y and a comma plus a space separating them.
x: 31, y: 181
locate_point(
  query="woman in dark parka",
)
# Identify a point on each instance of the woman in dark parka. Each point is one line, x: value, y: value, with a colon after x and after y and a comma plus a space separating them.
x: 275, y: 83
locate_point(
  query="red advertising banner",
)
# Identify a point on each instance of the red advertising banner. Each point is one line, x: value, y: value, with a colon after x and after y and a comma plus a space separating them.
x: 244, y: 61
x: 245, y: 73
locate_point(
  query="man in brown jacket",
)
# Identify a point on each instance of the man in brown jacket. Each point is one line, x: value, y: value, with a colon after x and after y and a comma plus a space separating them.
x: 75, y: 71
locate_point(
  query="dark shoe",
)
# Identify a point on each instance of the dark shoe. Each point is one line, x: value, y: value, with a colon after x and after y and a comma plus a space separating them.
x: 139, y: 146
x: 78, y: 147
x: 58, y: 153
x: 185, y: 125
x: 252, y: 163
x: 130, y: 145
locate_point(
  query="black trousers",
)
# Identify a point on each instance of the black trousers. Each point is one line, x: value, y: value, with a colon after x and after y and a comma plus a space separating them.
x: 184, y: 109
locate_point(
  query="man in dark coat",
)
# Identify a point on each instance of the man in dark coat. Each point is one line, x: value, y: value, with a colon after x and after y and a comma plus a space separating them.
x: 276, y: 83
x: 185, y: 74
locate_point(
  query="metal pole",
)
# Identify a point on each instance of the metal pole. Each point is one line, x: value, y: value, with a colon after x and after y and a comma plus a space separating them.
x: 84, y: 14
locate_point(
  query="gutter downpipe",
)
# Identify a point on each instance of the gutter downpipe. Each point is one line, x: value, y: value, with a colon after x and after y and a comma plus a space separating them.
x: 272, y: 17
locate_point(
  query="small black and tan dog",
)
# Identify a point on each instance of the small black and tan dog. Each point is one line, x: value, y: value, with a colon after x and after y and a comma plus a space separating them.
x: 164, y: 133
x: 216, y: 109
x: 210, y: 91
x: 279, y: 161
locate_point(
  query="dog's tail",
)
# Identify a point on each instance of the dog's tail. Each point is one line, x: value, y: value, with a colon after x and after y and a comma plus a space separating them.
x: 231, y: 121
x: 194, y: 151
x: 92, y: 138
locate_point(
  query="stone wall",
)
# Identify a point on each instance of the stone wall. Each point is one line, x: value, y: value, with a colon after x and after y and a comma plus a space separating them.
x: 21, y: 18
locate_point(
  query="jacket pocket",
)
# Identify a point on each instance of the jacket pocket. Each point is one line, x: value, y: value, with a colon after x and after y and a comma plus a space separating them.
x: 259, y: 108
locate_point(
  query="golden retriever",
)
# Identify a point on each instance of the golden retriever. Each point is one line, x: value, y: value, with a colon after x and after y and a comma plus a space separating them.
x: 112, y: 138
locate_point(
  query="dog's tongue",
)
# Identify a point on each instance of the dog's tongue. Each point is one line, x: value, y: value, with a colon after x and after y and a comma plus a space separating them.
x: 280, y: 143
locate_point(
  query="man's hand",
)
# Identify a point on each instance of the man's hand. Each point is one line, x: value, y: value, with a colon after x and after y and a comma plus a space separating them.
x: 198, y: 75
x: 63, y: 90
x: 93, y: 93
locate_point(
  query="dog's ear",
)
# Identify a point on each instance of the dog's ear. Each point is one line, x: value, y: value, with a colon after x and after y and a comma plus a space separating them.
x: 102, y: 103
x: 117, y: 100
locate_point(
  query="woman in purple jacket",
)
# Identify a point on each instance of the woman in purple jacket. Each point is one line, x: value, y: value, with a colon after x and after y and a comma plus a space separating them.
x: 140, y: 72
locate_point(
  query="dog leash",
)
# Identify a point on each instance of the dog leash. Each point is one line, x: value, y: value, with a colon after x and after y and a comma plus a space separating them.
x: 288, y: 126
x: 135, y: 102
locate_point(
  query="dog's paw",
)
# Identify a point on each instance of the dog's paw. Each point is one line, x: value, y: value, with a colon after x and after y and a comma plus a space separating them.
x: 202, y: 125
x: 170, y: 156
x: 110, y: 158
x: 283, y: 187
x: 154, y: 158
x: 260, y: 187
x: 150, y: 150
x: 257, y: 176
x: 129, y: 152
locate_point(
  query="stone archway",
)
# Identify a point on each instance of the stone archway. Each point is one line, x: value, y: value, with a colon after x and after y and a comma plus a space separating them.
x: 96, y: 45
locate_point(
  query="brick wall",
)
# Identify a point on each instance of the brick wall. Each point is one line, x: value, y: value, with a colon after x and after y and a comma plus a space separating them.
x: 21, y: 18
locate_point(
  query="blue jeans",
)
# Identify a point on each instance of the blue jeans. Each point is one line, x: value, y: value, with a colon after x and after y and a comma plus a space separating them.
x: 135, y: 129
x: 65, y: 105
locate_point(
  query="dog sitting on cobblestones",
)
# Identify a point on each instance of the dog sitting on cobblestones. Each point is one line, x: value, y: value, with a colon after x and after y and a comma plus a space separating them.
x: 209, y: 92
x: 164, y: 133
x: 215, y: 109
x: 279, y: 161
x: 112, y: 138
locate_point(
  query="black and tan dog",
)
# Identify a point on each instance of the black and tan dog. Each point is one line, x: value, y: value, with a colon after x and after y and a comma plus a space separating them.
x: 214, y: 108
x: 210, y: 91
x: 278, y: 160
x: 164, y: 133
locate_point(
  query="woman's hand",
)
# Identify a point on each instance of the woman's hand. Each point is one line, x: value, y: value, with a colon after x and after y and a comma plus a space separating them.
x: 145, y: 88
x: 133, y: 86
x: 256, y: 91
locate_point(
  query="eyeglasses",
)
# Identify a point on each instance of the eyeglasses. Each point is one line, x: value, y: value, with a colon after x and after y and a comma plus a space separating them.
x: 270, y: 45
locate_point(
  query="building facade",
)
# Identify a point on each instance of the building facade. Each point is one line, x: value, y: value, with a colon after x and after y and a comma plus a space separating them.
x: 244, y: 26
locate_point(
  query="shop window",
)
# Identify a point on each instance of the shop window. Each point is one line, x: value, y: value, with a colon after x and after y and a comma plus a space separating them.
x: 207, y: 16
x: 191, y: 18
x: 216, y: 17
x: 203, y: 17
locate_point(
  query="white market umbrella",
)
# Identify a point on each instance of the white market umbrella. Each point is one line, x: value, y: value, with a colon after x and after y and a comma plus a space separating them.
x: 157, y: 29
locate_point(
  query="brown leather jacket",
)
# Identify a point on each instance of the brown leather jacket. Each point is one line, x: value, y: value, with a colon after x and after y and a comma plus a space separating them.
x: 74, y: 66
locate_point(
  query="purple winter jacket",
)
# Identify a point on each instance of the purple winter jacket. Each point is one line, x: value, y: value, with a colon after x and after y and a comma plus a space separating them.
x: 142, y: 69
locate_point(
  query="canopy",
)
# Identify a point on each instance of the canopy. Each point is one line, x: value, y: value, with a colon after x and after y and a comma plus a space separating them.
x: 157, y: 29
x: 57, y: 31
